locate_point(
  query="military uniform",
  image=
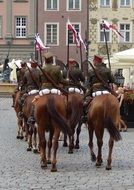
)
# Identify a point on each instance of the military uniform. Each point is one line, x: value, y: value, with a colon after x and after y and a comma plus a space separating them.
x: 53, y: 71
x: 75, y: 74
x: 32, y: 83
x: 103, y: 72
x: 20, y: 74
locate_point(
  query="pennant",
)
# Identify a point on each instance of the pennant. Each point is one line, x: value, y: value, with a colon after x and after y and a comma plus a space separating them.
x: 81, y: 40
x: 39, y: 46
x: 109, y: 26
x: 71, y: 28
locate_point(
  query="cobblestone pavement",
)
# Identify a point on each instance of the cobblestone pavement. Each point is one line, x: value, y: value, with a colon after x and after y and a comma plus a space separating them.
x: 20, y: 170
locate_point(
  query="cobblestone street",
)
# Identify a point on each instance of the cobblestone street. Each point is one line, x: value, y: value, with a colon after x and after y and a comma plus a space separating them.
x: 20, y: 170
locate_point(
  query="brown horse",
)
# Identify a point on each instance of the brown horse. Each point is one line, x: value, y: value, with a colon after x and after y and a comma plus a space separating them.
x: 19, y: 120
x: 50, y: 115
x: 75, y: 111
x: 104, y: 112
x: 30, y: 127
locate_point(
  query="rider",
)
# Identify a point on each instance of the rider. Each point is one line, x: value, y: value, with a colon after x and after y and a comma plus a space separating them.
x: 53, y: 71
x: 31, y: 81
x: 104, y: 73
x: 75, y: 74
x: 20, y: 74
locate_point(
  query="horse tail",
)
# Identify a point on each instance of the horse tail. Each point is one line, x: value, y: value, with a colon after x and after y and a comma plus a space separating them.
x: 75, y: 112
x: 112, y: 129
x: 62, y: 124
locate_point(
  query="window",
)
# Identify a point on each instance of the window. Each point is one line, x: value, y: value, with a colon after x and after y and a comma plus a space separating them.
x: 71, y: 37
x: 125, y: 30
x: 51, y: 4
x: 52, y: 30
x: 0, y: 26
x: 20, y: 24
x: 74, y: 4
x: 102, y: 36
x: 104, y: 3
x: 124, y: 3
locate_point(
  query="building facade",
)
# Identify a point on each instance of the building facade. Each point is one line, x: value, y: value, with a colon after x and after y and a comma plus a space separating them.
x: 17, y: 29
x: 119, y: 13
x: 52, y: 26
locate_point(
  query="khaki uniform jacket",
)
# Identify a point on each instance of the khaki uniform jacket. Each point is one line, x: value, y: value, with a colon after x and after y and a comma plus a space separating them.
x: 104, y: 73
x: 54, y: 72
x: 28, y: 81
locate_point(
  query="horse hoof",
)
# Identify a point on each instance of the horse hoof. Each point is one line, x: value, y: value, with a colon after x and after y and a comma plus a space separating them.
x: 48, y: 161
x: 108, y: 168
x: 65, y: 145
x: 43, y: 164
x: 70, y: 152
x: 18, y: 137
x: 29, y: 149
x: 93, y: 158
x: 98, y: 164
x: 35, y: 150
x: 77, y: 146
x: 54, y: 169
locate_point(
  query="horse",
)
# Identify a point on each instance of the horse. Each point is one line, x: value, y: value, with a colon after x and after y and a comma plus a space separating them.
x: 50, y: 115
x: 103, y: 112
x: 20, y: 131
x: 74, y: 114
x: 30, y: 127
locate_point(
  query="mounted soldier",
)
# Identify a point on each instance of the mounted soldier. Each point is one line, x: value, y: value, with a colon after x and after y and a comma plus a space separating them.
x: 96, y: 86
x: 31, y: 83
x: 75, y: 74
x: 20, y: 74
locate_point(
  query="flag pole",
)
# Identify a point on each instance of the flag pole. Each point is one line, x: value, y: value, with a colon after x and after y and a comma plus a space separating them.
x: 106, y: 45
x: 81, y: 57
x: 68, y: 56
x: 41, y: 58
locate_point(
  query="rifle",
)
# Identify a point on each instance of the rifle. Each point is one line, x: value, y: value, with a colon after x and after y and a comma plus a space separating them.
x: 102, y: 81
x: 49, y: 78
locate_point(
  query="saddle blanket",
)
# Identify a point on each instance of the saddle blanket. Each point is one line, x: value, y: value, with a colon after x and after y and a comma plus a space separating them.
x: 33, y: 92
x: 49, y: 91
x: 98, y: 93
x: 71, y: 89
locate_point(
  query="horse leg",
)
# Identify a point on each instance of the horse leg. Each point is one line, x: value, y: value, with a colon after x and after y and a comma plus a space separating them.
x: 109, y: 160
x: 30, y: 134
x: 78, y: 130
x: 55, y: 148
x: 42, y: 144
x: 35, y: 149
x: 71, y: 142
x: 90, y: 144
x: 50, y: 146
x: 65, y: 141
x: 99, y: 135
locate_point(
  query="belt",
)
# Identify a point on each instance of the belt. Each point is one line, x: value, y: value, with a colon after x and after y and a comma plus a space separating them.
x: 97, y: 84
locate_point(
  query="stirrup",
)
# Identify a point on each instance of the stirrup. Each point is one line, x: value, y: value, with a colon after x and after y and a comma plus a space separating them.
x: 20, y: 115
x: 31, y: 120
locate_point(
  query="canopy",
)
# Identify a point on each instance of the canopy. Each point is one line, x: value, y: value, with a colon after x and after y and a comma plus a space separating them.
x: 124, y: 60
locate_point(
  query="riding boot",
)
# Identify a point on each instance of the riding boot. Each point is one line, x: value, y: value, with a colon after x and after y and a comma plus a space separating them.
x: 31, y: 119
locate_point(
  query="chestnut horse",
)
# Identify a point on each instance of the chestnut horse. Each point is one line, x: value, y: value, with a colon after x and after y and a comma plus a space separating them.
x: 30, y: 128
x: 104, y: 112
x: 50, y: 115
x: 19, y: 120
x: 75, y: 112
